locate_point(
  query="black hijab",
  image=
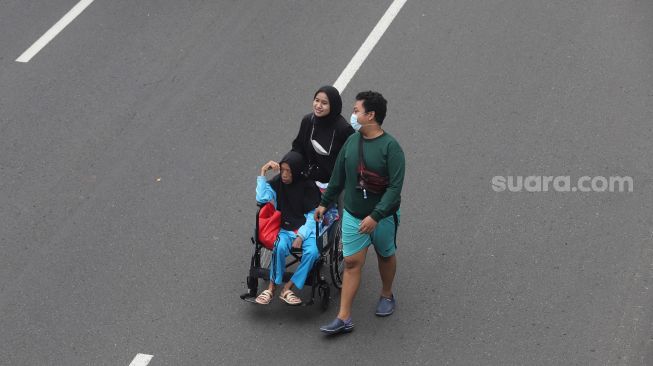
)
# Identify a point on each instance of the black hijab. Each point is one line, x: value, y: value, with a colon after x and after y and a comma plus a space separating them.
x: 297, y: 198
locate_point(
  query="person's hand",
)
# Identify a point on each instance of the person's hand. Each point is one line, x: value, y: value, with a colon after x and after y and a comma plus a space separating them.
x: 297, y: 243
x: 367, y: 225
x: 319, y: 213
x: 270, y: 165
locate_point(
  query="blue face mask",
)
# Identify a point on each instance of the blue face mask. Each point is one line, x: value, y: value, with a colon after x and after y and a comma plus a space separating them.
x: 353, y: 121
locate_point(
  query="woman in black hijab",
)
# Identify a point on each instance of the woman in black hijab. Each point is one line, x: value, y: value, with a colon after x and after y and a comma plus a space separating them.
x: 322, y: 134
x: 296, y: 197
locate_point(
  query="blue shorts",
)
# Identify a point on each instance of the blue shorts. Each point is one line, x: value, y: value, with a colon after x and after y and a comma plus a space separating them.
x: 383, y: 237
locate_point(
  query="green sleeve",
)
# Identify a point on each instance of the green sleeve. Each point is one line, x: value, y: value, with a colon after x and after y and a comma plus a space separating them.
x: 392, y: 197
x: 337, y: 181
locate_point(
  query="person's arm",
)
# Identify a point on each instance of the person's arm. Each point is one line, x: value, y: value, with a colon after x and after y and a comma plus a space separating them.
x: 346, y: 131
x: 298, y: 142
x: 392, y: 196
x: 264, y: 191
x: 308, y: 228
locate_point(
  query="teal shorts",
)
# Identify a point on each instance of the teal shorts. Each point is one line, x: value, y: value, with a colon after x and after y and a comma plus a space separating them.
x: 383, y: 237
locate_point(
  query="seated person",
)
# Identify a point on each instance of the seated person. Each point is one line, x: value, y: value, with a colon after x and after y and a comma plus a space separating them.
x: 296, y: 197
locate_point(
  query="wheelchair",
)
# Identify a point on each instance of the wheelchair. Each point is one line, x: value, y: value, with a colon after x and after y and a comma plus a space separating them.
x: 329, y: 245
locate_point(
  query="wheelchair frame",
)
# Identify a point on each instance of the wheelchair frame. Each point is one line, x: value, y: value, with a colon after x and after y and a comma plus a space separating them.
x: 329, y: 245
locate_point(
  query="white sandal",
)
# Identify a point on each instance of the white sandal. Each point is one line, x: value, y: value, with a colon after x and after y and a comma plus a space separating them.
x: 290, y: 298
x: 264, y: 297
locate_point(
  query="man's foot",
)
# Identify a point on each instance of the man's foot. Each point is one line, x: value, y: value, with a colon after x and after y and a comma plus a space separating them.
x: 338, y: 326
x: 264, y: 297
x: 385, y: 306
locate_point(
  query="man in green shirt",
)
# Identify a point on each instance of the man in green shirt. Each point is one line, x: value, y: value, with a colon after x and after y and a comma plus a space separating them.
x: 371, y: 211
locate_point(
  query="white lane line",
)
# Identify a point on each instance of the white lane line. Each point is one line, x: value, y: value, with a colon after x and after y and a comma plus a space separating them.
x: 52, y: 32
x: 368, y: 45
x: 141, y: 359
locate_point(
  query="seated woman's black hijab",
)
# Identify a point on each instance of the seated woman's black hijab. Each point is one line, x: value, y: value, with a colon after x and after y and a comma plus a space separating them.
x: 297, y: 198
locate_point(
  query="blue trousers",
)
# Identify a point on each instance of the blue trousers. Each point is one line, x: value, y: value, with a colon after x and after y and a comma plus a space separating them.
x: 282, y: 247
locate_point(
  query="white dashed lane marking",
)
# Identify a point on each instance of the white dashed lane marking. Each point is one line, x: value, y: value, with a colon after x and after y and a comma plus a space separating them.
x: 141, y: 359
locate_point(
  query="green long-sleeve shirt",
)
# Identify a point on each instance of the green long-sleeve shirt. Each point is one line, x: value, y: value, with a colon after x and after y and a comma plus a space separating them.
x: 384, y: 156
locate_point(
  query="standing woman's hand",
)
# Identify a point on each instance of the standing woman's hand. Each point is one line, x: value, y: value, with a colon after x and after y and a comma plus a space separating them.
x: 270, y: 165
x: 319, y: 213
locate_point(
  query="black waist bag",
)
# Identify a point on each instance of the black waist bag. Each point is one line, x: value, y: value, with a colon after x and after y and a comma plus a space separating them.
x: 367, y: 179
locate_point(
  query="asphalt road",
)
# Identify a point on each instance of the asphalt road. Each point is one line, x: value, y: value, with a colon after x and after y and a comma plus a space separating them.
x: 130, y: 144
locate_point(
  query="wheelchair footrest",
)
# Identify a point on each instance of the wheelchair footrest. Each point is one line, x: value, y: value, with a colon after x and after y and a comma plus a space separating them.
x: 249, y: 298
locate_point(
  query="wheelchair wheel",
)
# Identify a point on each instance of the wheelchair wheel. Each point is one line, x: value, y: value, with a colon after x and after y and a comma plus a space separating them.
x: 336, y: 260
